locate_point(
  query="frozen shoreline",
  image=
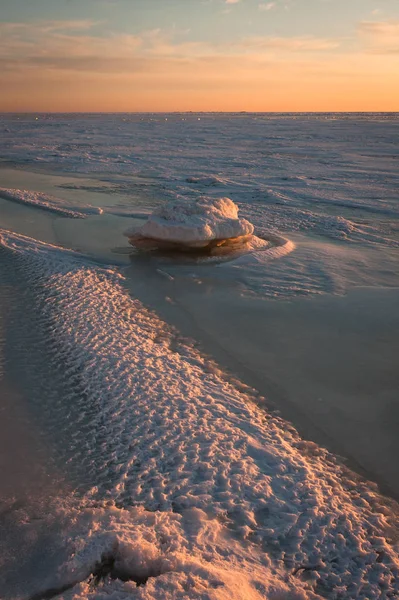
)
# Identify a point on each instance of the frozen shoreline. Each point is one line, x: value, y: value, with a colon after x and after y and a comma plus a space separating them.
x: 310, y: 358
x: 252, y: 348
x: 126, y: 374
x: 221, y: 491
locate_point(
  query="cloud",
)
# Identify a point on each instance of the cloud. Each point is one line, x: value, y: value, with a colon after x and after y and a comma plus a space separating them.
x: 78, y: 64
x: 380, y: 37
x: 67, y: 39
x: 48, y: 26
x: 267, y: 6
x: 290, y: 44
x: 74, y: 65
x: 74, y: 45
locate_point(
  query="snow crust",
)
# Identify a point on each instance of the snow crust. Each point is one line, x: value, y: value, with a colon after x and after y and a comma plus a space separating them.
x: 306, y: 173
x: 195, y: 222
x: 48, y: 203
x: 194, y: 485
x: 205, y: 180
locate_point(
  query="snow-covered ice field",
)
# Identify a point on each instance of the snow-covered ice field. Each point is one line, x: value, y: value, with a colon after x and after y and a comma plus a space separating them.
x: 141, y: 451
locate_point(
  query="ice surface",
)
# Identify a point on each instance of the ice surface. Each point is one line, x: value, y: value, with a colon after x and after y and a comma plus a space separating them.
x: 191, y: 483
x: 314, y: 179
x: 195, y: 486
x: 334, y: 175
x: 195, y: 222
x: 205, y: 180
x: 49, y: 203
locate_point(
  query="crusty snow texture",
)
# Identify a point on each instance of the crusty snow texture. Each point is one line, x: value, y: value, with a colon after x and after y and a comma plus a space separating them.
x: 207, y: 494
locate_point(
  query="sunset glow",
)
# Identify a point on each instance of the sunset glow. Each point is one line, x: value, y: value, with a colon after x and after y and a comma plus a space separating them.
x: 199, y: 291
x: 177, y: 55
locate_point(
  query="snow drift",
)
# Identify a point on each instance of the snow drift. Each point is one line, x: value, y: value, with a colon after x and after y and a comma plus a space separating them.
x: 194, y: 486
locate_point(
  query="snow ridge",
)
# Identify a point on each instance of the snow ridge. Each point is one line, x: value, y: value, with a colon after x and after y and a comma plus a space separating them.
x: 207, y: 494
x: 48, y: 203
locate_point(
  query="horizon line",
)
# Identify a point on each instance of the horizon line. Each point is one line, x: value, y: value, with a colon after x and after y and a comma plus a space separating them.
x: 171, y: 112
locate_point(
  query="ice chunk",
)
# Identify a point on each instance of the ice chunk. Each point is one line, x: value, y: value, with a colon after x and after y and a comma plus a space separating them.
x: 204, y: 180
x: 194, y: 223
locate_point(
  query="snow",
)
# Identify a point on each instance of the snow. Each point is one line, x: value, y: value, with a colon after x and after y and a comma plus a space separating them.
x: 190, y: 482
x: 48, y: 203
x: 194, y: 484
x: 194, y: 222
x: 205, y: 180
x: 331, y: 175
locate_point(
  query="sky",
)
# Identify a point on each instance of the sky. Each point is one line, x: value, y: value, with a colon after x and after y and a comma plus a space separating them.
x: 199, y: 55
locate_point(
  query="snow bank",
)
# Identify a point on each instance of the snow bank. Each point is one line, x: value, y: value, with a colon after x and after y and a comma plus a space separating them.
x: 48, y: 203
x: 104, y: 553
x: 194, y: 223
x: 229, y: 502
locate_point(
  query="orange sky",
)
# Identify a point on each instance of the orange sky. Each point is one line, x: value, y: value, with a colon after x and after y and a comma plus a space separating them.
x: 72, y: 66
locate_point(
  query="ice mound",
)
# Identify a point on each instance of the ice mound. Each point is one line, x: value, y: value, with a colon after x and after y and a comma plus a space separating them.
x: 204, y: 180
x: 201, y: 223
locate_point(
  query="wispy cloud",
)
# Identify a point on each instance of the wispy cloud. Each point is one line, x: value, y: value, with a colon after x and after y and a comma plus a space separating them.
x: 290, y: 44
x: 64, y: 39
x: 267, y: 6
x: 48, y: 26
x: 380, y: 37
x: 75, y: 65
x: 62, y: 44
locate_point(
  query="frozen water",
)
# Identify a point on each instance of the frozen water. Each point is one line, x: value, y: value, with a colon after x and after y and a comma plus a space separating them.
x: 332, y: 175
x: 206, y: 493
x: 171, y: 470
x: 195, y: 222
